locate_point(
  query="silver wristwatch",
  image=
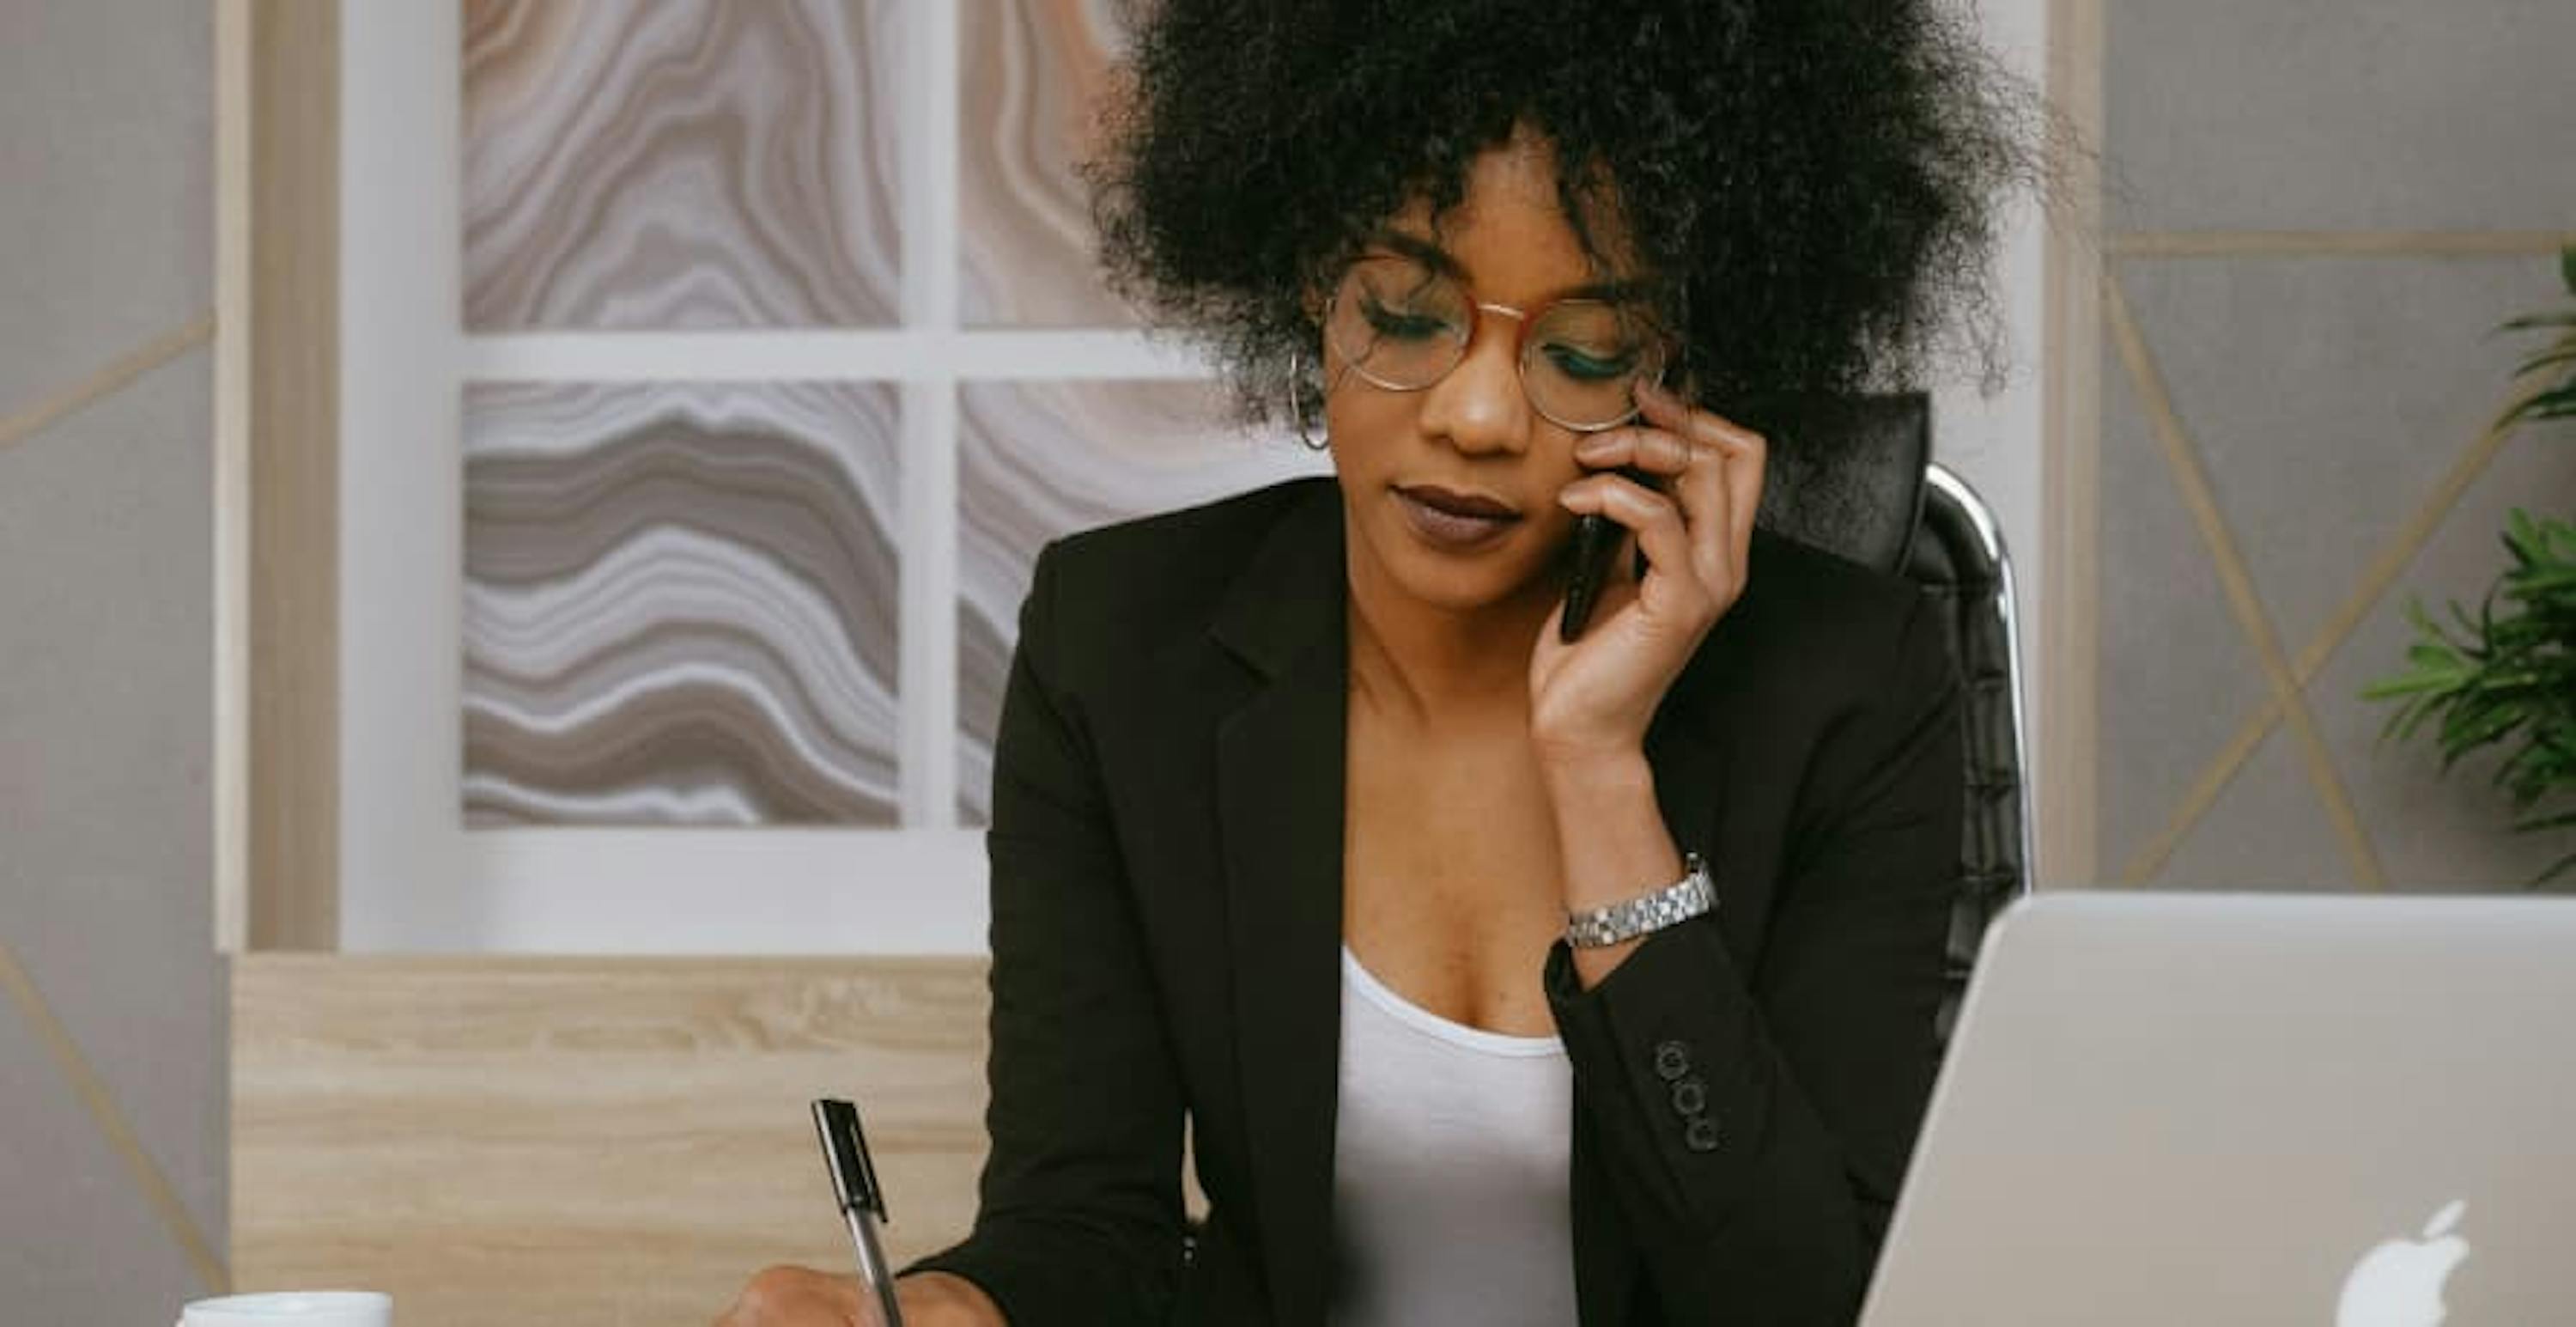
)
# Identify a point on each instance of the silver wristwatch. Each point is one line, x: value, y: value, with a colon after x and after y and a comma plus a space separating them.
x: 1680, y: 901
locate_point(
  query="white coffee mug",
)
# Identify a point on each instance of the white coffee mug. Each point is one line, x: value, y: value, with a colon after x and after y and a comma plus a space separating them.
x: 292, y: 1308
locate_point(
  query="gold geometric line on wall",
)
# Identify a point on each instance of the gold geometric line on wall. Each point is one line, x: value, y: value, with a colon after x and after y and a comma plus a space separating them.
x: 2334, y: 243
x: 2382, y: 572
x: 2183, y: 459
x: 133, y: 364
x: 94, y: 1098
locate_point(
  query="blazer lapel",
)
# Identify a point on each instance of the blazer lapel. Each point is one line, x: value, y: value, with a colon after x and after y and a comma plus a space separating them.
x: 1279, y: 797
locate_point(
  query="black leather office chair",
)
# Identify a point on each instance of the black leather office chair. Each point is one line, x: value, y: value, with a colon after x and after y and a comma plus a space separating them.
x: 1855, y: 477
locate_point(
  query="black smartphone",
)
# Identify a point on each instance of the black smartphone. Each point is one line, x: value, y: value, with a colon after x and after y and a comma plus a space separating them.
x: 1589, y: 554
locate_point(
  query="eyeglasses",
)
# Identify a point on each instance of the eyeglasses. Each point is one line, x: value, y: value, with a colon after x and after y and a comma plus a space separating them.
x: 1403, y: 326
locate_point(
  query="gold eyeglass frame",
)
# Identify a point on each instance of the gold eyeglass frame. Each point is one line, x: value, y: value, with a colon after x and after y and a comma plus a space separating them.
x: 1524, y: 320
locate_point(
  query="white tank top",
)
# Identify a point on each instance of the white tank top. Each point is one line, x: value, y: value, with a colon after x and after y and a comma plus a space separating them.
x: 1450, y: 1164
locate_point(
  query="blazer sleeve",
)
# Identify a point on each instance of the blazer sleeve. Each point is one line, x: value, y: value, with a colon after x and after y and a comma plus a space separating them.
x: 1080, y: 1217
x: 1755, y: 1125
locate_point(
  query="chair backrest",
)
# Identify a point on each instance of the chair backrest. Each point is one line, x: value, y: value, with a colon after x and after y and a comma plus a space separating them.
x: 1957, y: 556
x: 1854, y: 476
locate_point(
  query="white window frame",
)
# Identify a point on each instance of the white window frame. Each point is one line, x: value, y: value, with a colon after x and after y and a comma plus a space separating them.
x: 412, y: 876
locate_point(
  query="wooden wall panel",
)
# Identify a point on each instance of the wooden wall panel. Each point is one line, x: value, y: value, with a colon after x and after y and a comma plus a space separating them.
x: 2068, y: 665
x: 505, y: 1141
x: 277, y: 476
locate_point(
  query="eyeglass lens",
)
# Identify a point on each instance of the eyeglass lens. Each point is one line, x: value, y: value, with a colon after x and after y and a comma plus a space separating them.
x: 1403, y: 326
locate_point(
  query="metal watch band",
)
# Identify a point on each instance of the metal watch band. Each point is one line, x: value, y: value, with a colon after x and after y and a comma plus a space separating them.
x: 1623, y: 921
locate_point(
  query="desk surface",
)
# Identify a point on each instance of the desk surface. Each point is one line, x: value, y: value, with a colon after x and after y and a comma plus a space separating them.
x: 506, y: 1141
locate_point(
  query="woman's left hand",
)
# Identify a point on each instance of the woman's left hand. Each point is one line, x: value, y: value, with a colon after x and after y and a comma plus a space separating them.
x: 1592, y: 699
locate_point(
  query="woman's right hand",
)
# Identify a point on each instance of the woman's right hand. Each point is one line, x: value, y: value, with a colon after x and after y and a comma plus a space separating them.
x: 803, y: 1297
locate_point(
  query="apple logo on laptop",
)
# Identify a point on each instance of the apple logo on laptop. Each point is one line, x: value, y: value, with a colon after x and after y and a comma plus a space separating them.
x: 2399, y: 1284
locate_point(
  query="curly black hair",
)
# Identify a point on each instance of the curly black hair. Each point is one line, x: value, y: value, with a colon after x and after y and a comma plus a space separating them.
x: 1817, y: 181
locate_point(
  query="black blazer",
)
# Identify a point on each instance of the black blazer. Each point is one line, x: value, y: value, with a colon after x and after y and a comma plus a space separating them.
x: 1166, y: 852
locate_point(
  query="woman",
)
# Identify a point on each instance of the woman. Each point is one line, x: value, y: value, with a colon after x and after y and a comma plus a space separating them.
x: 1309, y: 825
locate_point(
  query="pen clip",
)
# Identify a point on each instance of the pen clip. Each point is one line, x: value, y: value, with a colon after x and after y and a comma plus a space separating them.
x: 845, y: 1152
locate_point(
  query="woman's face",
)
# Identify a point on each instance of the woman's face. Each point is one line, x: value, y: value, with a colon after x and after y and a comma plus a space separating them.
x: 1473, y: 432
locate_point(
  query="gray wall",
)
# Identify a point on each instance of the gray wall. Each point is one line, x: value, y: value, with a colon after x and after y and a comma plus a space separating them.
x: 2327, y: 395
x: 112, y: 1003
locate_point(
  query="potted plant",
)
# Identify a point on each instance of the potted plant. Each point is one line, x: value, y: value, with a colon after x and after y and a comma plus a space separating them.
x: 2509, y: 676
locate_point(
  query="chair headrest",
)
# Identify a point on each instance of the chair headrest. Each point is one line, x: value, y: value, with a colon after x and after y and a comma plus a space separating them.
x: 1845, y: 473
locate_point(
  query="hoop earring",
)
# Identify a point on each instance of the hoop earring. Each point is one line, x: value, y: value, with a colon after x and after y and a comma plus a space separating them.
x: 1297, y: 407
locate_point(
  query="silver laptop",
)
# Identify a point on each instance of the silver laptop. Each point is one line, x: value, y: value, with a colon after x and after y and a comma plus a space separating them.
x: 2165, y: 1109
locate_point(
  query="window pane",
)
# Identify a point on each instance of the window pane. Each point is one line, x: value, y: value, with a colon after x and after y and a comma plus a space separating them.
x: 682, y: 604
x: 679, y: 164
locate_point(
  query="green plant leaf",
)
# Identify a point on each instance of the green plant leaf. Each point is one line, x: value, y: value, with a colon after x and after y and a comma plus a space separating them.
x: 2521, y: 534
x: 2433, y: 660
x: 2562, y: 353
x: 2567, y: 267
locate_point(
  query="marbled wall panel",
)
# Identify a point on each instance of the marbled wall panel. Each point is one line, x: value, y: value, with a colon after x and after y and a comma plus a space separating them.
x: 679, y: 164
x: 1039, y: 460
x: 682, y: 604
x: 1030, y: 77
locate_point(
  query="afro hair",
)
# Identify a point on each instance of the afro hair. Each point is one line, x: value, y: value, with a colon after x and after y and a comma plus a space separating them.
x: 1817, y: 183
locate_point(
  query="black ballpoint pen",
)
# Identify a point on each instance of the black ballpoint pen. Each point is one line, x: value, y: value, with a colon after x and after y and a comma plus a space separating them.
x: 862, y: 1201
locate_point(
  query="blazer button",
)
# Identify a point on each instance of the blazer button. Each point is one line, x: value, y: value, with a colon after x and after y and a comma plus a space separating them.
x: 1672, y: 1060
x: 1690, y: 1097
x: 1701, y: 1134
